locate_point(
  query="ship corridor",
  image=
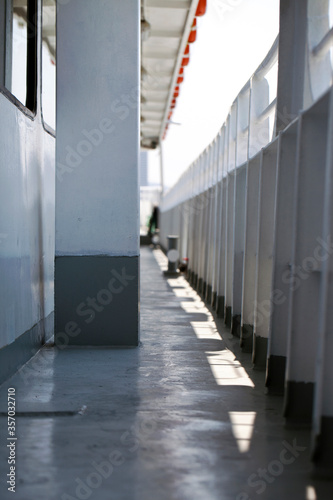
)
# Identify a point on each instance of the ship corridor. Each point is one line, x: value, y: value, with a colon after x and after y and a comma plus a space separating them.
x: 184, y: 416
x: 122, y: 382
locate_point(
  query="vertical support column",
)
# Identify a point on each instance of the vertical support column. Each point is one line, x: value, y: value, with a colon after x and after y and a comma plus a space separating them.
x: 97, y: 223
x: 239, y: 229
x: 230, y: 215
x: 2, y: 42
x: 230, y: 189
x: 197, y: 209
x: 323, y: 403
x: 282, y: 255
x: 250, y: 252
x: 202, y: 218
x: 220, y: 305
x: 212, y: 221
x: 304, y: 277
x: 218, y: 214
x: 190, y: 216
x: 208, y: 224
x: 264, y: 267
x: 293, y: 32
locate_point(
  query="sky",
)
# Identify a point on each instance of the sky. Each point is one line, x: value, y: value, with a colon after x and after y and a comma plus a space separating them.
x: 233, y: 38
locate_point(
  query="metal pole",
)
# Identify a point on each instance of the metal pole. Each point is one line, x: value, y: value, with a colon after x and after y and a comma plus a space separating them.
x: 161, y: 169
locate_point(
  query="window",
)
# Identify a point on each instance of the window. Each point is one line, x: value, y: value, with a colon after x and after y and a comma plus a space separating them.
x: 49, y: 62
x: 18, y: 66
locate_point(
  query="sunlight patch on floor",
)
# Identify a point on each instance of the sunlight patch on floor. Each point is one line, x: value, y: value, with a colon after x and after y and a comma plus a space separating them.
x: 310, y: 493
x: 242, y: 428
x: 227, y: 371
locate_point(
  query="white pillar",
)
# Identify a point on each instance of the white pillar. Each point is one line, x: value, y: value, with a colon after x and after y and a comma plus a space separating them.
x: 304, y: 276
x: 250, y: 251
x: 323, y: 403
x: 264, y: 267
x: 97, y: 223
x: 291, y: 76
x: 282, y: 255
x: 238, y: 248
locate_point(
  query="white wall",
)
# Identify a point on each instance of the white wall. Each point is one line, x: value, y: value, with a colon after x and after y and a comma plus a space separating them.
x: 27, y: 222
x: 97, y: 128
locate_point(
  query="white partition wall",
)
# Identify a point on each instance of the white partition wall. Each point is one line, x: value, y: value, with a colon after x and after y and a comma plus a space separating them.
x: 250, y: 252
x: 264, y: 257
x: 97, y: 223
x: 282, y: 257
x: 220, y: 304
x: 238, y: 248
x: 270, y: 262
x: 229, y: 241
x: 304, y: 278
x: 323, y: 402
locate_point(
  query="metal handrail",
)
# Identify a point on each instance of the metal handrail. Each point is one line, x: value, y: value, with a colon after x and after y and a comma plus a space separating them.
x: 196, y: 174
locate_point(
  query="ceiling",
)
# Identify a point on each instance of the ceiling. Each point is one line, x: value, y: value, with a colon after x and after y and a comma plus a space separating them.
x: 165, y: 29
x: 166, y: 26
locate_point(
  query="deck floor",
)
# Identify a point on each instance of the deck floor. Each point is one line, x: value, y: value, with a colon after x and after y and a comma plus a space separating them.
x: 181, y: 417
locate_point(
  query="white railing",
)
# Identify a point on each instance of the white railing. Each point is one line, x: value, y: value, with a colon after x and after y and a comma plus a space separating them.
x: 248, y: 128
x: 255, y: 221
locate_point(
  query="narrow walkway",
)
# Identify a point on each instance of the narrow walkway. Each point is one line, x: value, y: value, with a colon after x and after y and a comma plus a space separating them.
x: 179, y: 418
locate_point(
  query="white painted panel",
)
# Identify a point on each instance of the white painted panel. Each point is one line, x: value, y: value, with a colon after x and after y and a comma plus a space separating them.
x: 27, y: 222
x: 239, y: 231
x: 229, y: 239
x: 97, y: 128
x: 282, y: 255
x: 306, y: 271
x: 265, y: 240
x: 251, y: 231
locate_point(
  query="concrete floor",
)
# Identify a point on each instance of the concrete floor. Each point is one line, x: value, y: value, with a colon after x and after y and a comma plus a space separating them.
x: 179, y: 418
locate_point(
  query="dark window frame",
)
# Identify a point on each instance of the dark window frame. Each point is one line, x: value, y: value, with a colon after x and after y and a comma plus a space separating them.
x: 30, y: 106
x: 32, y: 38
x: 48, y: 128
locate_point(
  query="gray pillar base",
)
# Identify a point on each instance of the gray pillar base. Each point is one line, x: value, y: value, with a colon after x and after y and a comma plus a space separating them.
x: 209, y: 294
x: 220, y: 306
x: 259, y: 355
x: 214, y: 297
x: 199, y: 285
x: 246, y: 339
x: 171, y: 274
x: 275, y: 376
x: 298, y: 403
x: 228, y: 316
x: 145, y: 240
x: 96, y: 301
x: 195, y: 280
x: 13, y: 356
x: 323, y: 456
x: 235, y: 325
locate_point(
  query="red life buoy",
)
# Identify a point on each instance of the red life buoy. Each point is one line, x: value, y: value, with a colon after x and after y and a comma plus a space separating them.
x: 186, y: 59
x: 193, y: 32
x: 201, y: 9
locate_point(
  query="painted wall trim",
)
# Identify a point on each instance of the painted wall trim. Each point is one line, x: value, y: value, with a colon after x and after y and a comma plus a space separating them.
x: 13, y: 356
